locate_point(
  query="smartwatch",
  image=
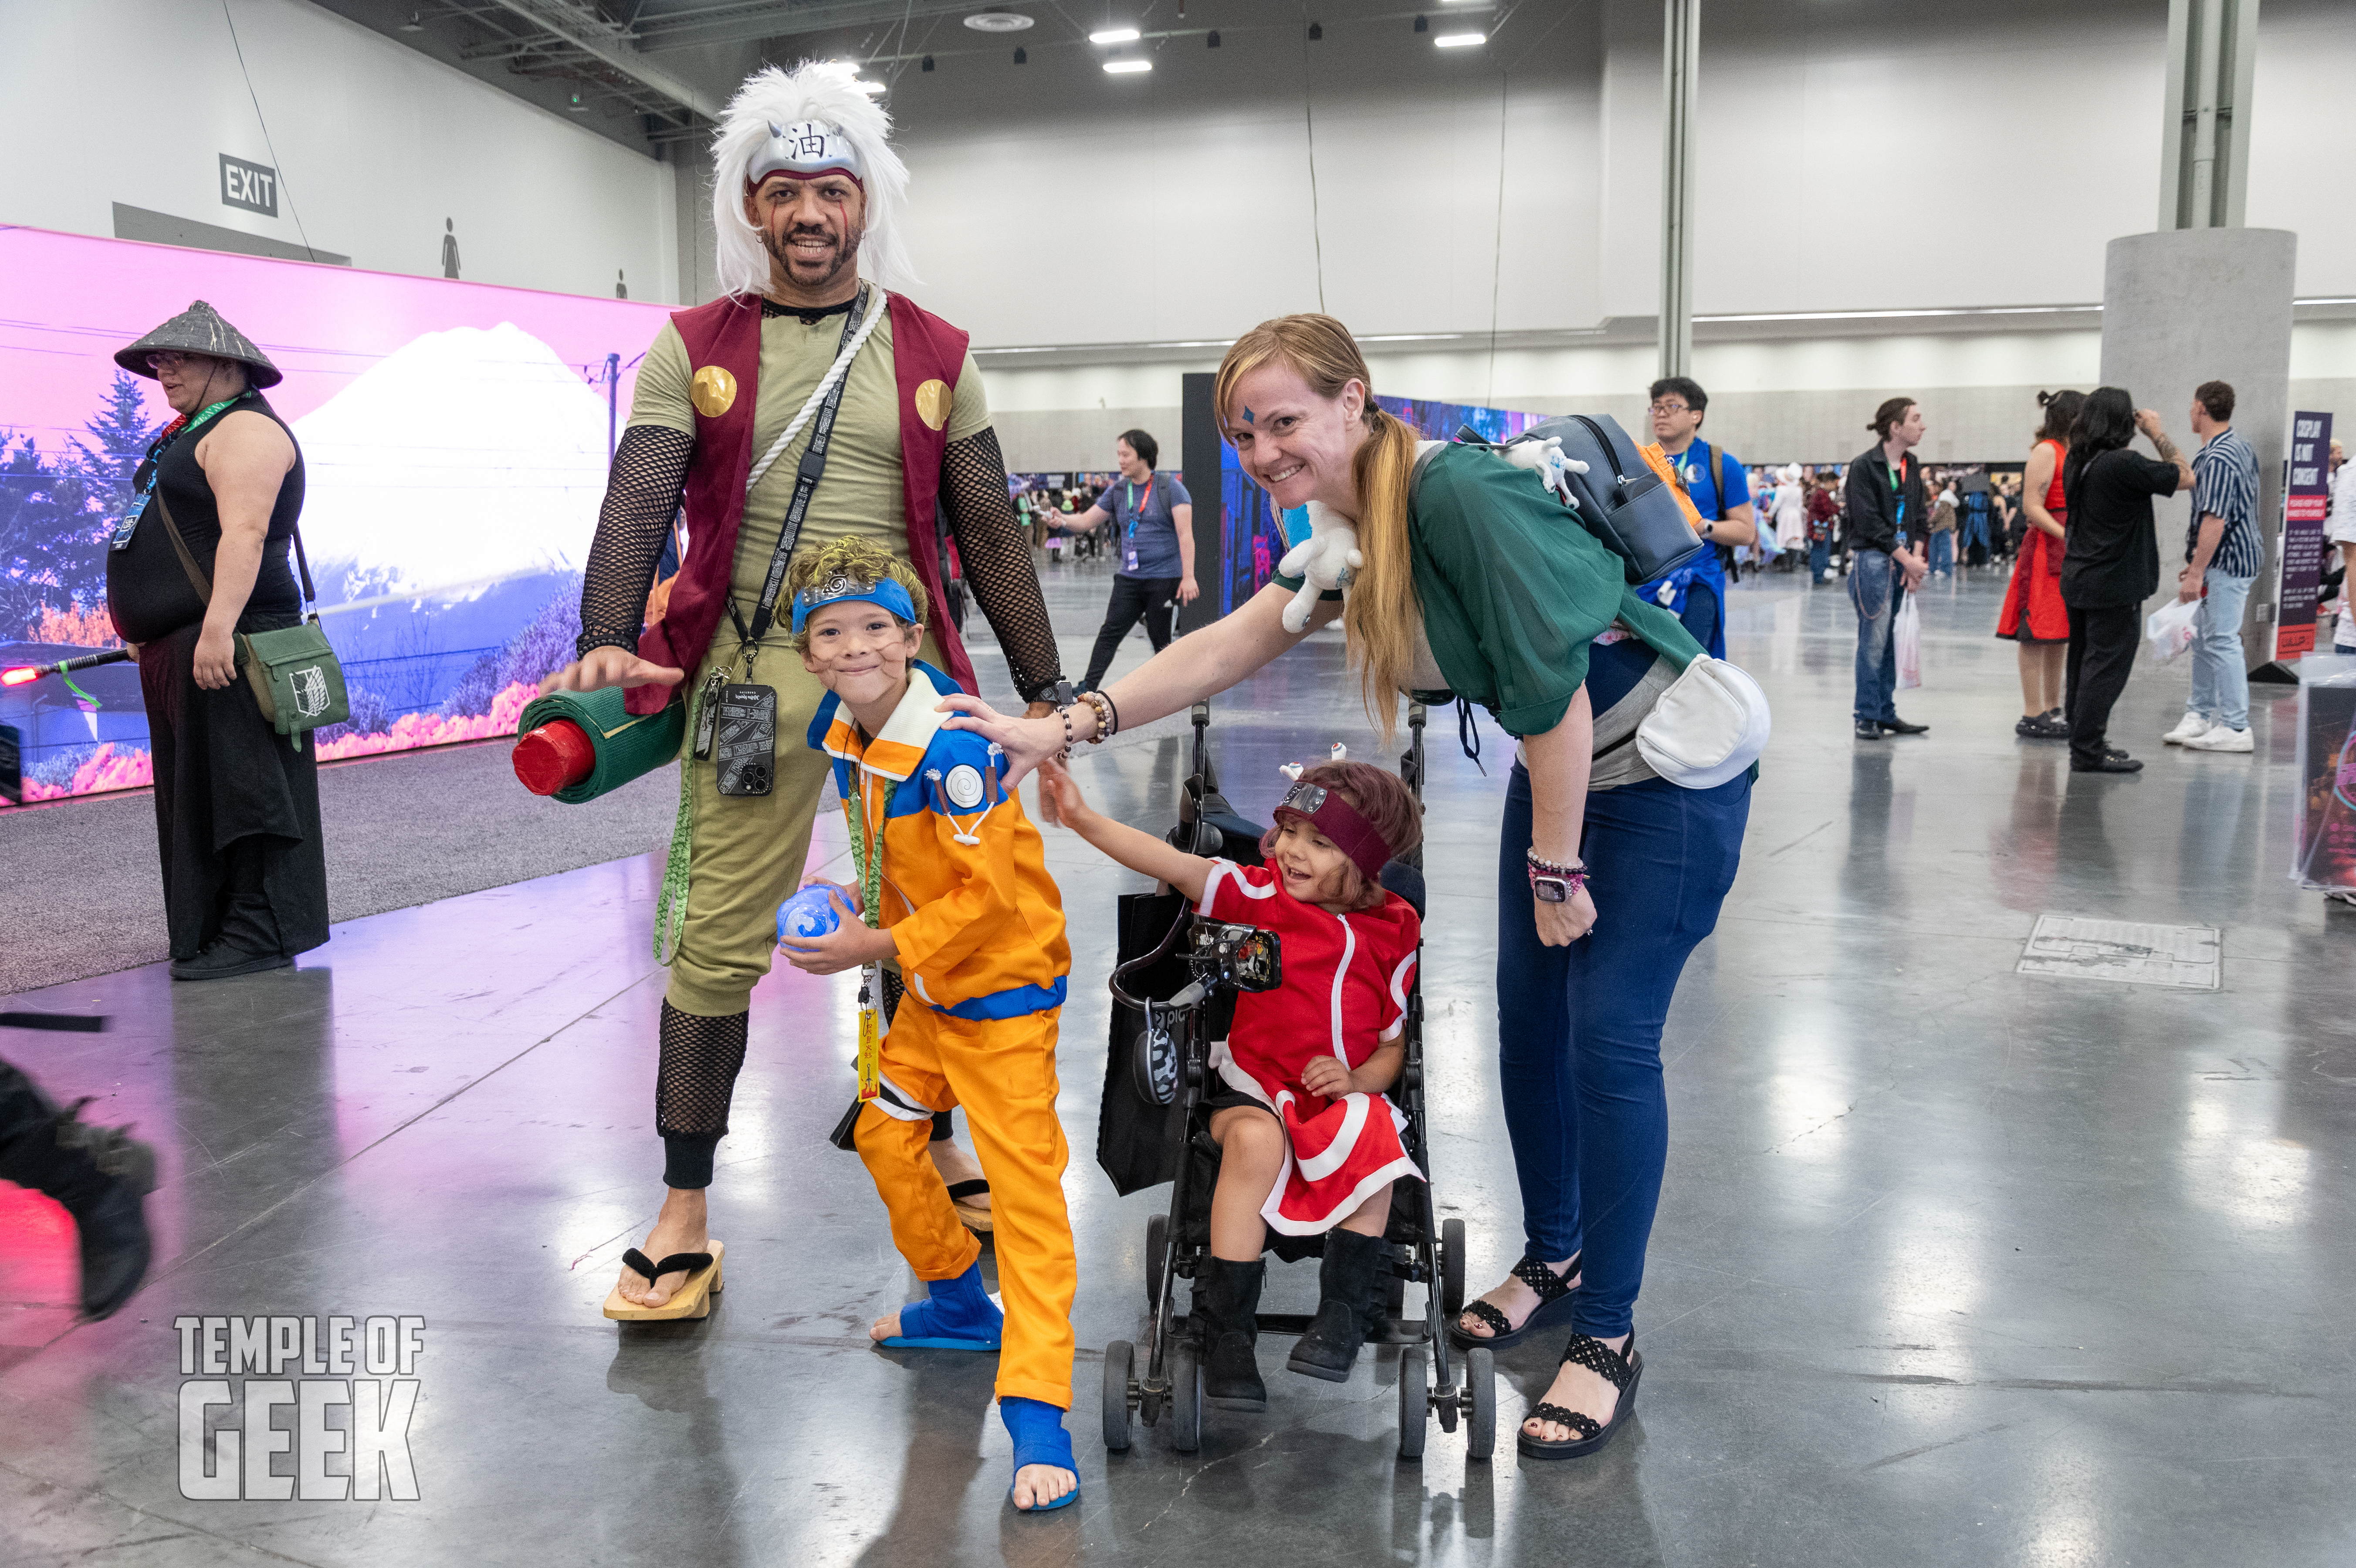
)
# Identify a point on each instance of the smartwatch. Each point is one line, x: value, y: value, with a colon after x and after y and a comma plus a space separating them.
x: 1551, y: 890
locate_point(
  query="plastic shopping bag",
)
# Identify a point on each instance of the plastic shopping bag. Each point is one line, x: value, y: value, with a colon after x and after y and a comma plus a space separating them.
x: 1907, y: 634
x: 2170, y: 630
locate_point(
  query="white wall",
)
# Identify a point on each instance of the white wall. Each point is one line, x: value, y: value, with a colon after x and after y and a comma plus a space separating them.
x: 1849, y: 156
x: 133, y: 100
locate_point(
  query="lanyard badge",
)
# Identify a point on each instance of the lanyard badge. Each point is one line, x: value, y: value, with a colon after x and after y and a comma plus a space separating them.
x: 867, y: 858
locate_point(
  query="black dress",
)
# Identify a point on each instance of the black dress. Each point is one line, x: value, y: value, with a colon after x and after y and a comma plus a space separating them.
x: 237, y: 808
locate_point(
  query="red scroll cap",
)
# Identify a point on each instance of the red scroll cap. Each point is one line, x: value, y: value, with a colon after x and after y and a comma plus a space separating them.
x: 555, y: 756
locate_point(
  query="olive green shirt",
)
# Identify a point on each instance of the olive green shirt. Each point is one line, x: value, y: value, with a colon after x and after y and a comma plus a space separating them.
x: 1514, y: 590
x: 861, y: 495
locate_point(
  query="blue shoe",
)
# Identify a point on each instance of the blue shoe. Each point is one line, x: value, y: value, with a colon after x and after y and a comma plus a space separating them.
x: 1039, y: 1436
x: 960, y: 1316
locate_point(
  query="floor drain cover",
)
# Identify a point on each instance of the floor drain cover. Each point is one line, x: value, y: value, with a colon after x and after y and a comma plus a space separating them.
x: 2184, y: 957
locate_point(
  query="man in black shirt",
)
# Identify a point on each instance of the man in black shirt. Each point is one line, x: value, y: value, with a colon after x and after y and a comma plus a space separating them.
x: 2113, y: 564
x: 1887, y: 510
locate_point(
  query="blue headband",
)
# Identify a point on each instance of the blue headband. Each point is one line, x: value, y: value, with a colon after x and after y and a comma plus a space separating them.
x: 841, y: 590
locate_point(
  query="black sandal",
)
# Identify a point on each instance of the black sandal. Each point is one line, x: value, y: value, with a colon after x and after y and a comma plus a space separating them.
x: 1619, y: 1368
x: 1553, y: 1293
x: 974, y: 1217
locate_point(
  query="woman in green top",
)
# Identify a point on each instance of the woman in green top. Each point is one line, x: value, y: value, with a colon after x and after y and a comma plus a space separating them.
x: 1477, y: 579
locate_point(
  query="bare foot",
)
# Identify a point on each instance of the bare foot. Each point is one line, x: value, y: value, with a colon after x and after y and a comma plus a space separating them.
x: 1581, y: 1388
x: 1035, y: 1486
x: 886, y: 1328
x: 1513, y: 1298
x: 680, y: 1228
x: 954, y: 1163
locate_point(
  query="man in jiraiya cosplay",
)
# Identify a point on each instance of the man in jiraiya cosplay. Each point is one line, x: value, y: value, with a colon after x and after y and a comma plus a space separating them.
x: 811, y: 402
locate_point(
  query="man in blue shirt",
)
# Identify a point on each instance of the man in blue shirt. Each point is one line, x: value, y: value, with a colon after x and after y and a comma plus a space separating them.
x: 1720, y: 487
x: 1154, y: 545
x: 2222, y: 558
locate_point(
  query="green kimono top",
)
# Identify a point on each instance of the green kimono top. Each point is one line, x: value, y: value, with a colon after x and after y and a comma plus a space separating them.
x: 1515, y: 590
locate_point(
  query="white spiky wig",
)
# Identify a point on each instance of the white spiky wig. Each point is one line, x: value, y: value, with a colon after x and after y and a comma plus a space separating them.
x: 824, y: 92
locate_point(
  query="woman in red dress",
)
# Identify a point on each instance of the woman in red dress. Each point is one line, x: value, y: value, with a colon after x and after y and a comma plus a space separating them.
x: 2033, y: 614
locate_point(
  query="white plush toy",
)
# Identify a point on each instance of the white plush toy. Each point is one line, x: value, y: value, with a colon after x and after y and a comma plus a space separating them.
x: 1545, y: 459
x: 1323, y: 561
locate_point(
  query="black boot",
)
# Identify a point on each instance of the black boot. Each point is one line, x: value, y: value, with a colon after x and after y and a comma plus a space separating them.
x: 1345, y: 1293
x: 100, y: 1174
x: 1227, y: 1299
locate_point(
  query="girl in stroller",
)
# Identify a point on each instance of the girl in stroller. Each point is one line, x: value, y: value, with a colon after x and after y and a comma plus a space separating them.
x: 1308, y: 1145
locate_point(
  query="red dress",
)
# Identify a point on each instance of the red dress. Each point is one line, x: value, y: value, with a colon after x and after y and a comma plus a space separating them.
x: 2033, y: 611
x: 1343, y: 992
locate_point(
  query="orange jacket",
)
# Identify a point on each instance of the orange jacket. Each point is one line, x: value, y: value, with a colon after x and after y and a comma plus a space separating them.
x: 978, y: 922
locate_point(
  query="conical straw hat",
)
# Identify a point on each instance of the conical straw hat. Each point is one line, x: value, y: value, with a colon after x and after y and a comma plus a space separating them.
x: 199, y: 329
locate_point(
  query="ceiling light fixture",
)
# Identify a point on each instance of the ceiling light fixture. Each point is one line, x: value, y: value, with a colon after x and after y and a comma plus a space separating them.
x: 1114, y: 36
x: 927, y: 65
x: 998, y: 21
x: 869, y: 88
x: 1316, y: 31
x: 416, y: 23
x: 1214, y: 41
x: 1422, y: 25
x: 1020, y: 57
x: 1127, y: 68
x: 1458, y: 40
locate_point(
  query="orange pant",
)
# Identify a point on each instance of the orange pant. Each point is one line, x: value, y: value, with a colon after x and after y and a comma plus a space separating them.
x: 1003, y: 1072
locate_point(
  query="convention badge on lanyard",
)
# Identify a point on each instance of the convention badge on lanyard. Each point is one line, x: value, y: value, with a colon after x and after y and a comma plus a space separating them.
x: 153, y: 468
x: 1128, y: 555
x: 1897, y: 488
x: 867, y: 857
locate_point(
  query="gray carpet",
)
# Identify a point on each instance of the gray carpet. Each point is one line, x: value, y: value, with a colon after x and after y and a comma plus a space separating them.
x: 82, y: 895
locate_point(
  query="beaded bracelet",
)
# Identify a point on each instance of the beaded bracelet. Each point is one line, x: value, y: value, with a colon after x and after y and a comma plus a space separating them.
x: 1550, y: 869
x: 1070, y: 740
x: 1108, y: 717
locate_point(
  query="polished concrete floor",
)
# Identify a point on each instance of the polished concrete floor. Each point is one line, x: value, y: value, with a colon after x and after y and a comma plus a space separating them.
x: 1954, y: 1265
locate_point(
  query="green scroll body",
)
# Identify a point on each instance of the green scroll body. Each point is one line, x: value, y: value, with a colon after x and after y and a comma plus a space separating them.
x: 626, y: 745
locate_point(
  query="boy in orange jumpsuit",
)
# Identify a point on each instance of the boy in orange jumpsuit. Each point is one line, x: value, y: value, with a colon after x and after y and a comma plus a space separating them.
x: 954, y: 887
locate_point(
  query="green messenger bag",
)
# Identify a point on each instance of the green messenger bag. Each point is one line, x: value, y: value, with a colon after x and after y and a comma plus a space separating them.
x: 297, y: 681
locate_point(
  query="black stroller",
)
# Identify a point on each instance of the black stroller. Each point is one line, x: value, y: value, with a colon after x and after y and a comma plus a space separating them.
x: 1177, y: 988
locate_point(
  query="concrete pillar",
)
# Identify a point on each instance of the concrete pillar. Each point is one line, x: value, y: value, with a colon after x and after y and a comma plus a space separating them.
x: 2212, y: 54
x: 1680, y: 50
x: 2189, y: 305
x: 690, y: 162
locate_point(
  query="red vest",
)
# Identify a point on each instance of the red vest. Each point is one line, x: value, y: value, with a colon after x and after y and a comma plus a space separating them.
x: 927, y: 353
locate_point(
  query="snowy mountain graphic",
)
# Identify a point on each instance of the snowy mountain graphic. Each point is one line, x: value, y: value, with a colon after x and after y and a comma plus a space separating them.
x: 462, y: 457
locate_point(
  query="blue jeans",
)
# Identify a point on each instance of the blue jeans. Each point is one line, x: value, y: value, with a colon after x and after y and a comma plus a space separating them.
x: 2220, y: 680
x: 1820, y: 557
x: 1873, y: 588
x: 1943, y: 552
x: 1579, y: 1028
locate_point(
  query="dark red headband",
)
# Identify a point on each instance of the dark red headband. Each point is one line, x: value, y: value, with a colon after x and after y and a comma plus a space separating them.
x: 1343, y: 825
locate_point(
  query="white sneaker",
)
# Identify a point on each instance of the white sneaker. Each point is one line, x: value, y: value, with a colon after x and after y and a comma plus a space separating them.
x: 2220, y: 738
x: 2188, y: 729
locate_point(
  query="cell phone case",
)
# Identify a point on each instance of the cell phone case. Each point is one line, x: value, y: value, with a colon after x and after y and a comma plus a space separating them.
x: 747, y: 739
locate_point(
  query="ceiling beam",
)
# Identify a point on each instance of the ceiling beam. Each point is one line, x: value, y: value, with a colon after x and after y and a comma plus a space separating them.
x: 603, y: 41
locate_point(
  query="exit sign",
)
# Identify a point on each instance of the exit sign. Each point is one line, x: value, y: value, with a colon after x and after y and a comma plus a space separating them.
x: 254, y: 186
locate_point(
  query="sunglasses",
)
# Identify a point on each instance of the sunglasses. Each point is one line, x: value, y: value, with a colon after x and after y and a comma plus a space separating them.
x: 167, y: 360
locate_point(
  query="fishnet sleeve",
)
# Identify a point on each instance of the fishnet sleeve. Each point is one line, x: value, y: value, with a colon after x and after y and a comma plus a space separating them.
x: 997, y: 560
x: 642, y: 496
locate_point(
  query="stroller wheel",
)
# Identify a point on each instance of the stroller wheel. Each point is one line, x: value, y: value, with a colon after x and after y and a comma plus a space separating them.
x: 1415, y: 1400
x: 1157, y: 1259
x: 1481, y: 1385
x: 1185, y: 1397
x: 1121, y: 1364
x: 1451, y: 1268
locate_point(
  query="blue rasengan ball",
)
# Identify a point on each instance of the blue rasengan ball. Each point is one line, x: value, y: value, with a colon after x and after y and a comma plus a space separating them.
x: 810, y: 912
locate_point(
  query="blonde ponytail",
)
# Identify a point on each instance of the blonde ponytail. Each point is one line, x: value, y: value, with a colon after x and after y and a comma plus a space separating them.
x: 1382, y: 612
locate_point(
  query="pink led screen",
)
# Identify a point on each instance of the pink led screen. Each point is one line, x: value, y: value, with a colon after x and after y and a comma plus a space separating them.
x: 454, y: 438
